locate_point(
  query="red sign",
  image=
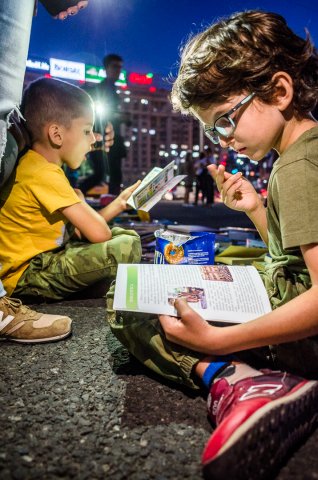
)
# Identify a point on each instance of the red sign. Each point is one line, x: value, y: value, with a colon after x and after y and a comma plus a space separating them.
x: 140, y: 78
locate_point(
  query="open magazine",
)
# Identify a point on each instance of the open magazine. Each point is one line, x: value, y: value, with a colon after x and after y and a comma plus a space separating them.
x: 219, y: 293
x: 158, y: 182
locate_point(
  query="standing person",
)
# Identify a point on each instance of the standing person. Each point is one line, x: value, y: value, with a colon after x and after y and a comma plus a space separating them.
x: 201, y: 174
x: 106, y: 97
x: 19, y: 323
x: 210, y: 160
x: 47, y: 258
x: 246, y: 71
x: 188, y: 170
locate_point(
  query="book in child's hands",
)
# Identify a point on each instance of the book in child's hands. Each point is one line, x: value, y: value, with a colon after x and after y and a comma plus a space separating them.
x: 219, y: 293
x: 158, y: 182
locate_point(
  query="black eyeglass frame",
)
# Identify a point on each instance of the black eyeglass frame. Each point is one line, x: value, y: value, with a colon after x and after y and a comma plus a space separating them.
x: 213, y: 133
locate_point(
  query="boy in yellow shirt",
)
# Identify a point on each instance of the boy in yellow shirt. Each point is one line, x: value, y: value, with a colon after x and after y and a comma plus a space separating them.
x: 40, y: 253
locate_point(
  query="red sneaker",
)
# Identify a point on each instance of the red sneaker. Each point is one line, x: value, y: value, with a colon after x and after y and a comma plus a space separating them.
x: 259, y: 421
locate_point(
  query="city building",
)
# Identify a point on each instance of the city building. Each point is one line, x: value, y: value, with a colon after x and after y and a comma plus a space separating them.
x: 154, y: 135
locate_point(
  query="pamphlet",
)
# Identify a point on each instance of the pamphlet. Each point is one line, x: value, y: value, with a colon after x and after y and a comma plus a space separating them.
x: 158, y: 182
x: 219, y: 293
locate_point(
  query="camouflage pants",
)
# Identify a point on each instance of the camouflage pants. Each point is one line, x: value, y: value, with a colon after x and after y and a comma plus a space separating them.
x: 144, y: 338
x: 58, y: 273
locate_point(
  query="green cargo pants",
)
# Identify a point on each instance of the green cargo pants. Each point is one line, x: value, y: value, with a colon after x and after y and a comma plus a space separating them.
x: 142, y: 335
x: 144, y: 338
x: 56, y: 274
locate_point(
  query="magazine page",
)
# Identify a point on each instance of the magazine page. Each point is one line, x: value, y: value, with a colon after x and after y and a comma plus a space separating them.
x: 156, y: 184
x: 217, y: 292
x: 160, y: 193
x: 146, y: 180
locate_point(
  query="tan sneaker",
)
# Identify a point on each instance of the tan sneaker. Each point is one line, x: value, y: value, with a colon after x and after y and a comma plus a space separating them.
x: 21, y: 324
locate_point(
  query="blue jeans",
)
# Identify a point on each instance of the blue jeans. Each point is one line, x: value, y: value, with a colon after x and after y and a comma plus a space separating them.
x: 15, y: 27
x: 2, y: 290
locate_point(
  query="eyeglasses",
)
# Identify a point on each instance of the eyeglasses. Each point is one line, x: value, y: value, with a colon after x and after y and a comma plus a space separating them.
x: 225, y: 125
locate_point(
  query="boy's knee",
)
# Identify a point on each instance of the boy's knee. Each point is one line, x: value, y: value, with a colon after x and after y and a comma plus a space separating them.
x: 125, y: 246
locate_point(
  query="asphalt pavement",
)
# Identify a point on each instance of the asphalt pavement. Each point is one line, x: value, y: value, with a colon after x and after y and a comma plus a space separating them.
x: 83, y: 408
x: 215, y: 216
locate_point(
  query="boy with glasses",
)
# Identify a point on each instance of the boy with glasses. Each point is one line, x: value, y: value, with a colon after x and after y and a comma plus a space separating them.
x: 252, y: 83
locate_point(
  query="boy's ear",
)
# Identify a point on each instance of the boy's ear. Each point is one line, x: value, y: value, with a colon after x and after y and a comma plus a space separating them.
x: 283, y: 90
x: 55, y: 134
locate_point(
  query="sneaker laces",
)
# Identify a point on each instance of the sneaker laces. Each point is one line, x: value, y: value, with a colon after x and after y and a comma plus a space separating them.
x: 15, y: 306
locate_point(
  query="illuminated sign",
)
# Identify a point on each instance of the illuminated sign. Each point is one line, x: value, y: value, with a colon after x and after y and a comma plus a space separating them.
x: 38, y: 65
x: 141, y: 78
x: 97, y: 74
x: 94, y: 74
x: 74, y: 70
x: 64, y: 69
x: 122, y: 81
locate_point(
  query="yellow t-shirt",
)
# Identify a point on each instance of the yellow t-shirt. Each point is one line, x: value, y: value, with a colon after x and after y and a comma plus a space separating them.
x: 30, y: 221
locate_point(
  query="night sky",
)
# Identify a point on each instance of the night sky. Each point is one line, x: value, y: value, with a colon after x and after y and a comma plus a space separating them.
x: 148, y: 33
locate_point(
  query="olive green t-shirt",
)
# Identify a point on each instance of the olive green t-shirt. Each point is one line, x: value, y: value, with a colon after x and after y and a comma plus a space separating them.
x: 292, y: 217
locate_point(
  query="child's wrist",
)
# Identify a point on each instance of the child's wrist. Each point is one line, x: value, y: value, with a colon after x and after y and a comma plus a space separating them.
x: 119, y: 204
x: 255, y: 210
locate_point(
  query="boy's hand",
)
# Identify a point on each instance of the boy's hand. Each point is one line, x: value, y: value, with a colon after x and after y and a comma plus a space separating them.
x: 236, y: 192
x: 125, y: 194
x: 119, y: 204
x: 106, y: 140
x: 189, y: 330
x: 109, y: 136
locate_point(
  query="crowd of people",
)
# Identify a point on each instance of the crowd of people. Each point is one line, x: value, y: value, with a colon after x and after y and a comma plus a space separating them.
x: 260, y: 376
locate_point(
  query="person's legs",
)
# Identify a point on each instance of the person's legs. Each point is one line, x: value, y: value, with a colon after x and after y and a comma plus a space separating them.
x: 198, y: 189
x: 144, y: 338
x: 210, y: 190
x: 188, y: 189
x: 115, y: 155
x: 57, y: 274
x: 15, y: 27
x: 244, y: 403
x: 2, y: 290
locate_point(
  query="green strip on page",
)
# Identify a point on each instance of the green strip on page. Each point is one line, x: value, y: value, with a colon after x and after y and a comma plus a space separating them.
x: 132, y: 288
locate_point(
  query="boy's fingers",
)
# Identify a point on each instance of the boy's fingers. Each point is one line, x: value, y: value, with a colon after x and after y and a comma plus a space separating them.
x: 212, y: 170
x: 98, y: 136
x: 135, y: 185
x: 166, y: 320
x: 219, y: 177
x: 109, y: 131
x: 184, y: 310
x: 109, y: 136
x: 232, y: 180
